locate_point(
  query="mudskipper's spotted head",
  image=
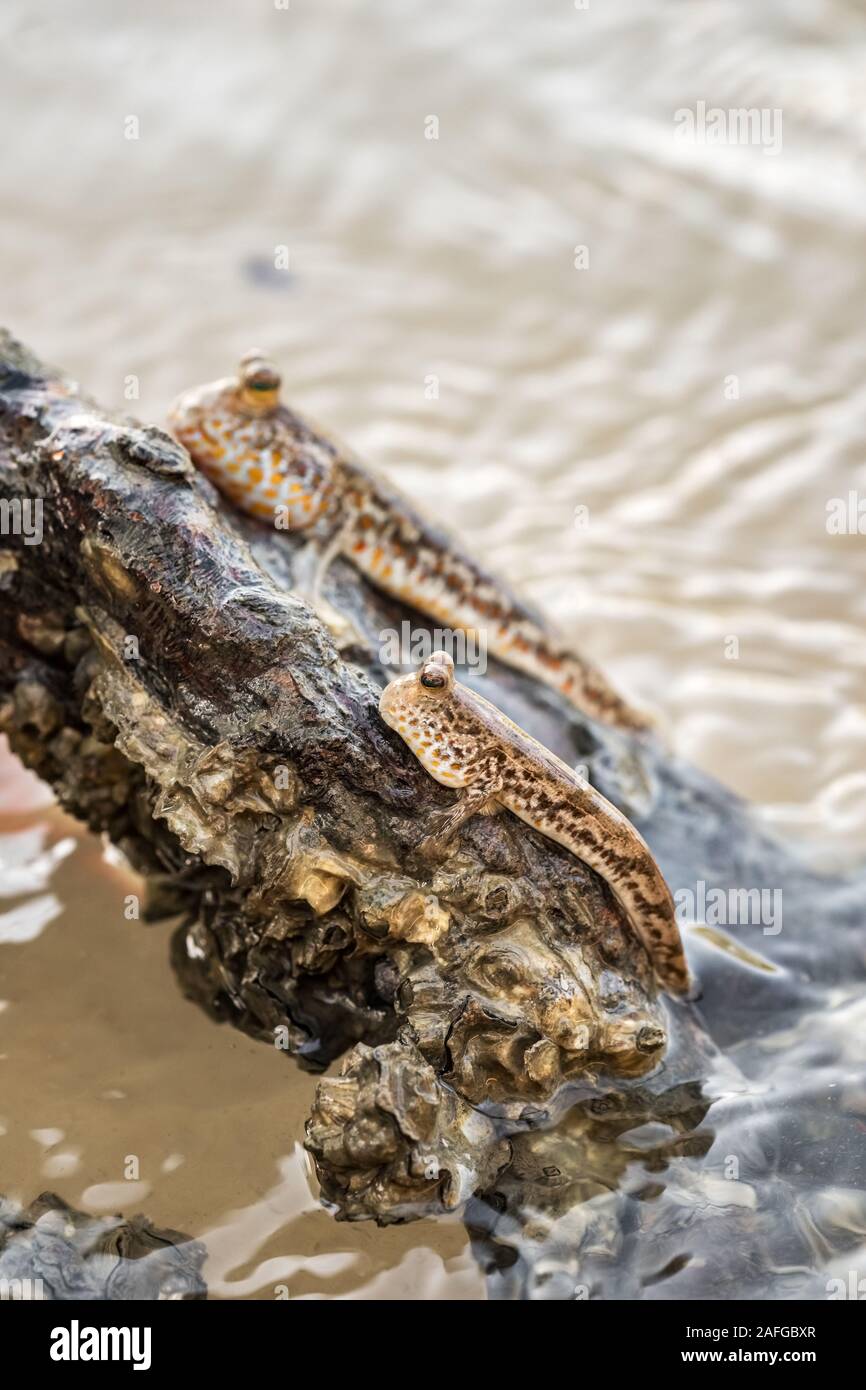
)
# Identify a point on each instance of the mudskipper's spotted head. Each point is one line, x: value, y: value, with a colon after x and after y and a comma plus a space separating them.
x: 208, y: 418
x: 224, y: 424
x: 419, y: 694
x: 252, y: 447
x: 417, y: 707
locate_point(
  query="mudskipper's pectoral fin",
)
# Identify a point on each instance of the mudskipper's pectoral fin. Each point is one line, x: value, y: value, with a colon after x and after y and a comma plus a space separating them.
x: 341, y: 628
x: 311, y: 566
x: 479, y: 798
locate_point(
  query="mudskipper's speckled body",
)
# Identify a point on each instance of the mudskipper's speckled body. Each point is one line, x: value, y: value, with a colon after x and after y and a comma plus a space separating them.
x: 274, y: 465
x: 465, y: 742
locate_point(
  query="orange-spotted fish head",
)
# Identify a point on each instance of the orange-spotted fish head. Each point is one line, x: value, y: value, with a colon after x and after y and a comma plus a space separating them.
x: 417, y: 707
x: 204, y: 418
x: 256, y: 451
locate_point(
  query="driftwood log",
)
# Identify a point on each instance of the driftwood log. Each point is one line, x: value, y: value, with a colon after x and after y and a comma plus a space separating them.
x: 157, y: 670
x: 161, y: 676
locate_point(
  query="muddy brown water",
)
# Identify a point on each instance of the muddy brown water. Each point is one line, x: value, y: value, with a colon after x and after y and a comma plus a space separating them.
x: 646, y: 445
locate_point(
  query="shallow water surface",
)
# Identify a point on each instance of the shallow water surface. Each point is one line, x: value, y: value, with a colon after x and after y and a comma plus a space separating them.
x: 646, y: 445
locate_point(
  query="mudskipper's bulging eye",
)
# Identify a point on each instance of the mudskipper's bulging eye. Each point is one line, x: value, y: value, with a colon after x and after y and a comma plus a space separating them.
x: 434, y: 678
x: 437, y: 672
x: 259, y: 379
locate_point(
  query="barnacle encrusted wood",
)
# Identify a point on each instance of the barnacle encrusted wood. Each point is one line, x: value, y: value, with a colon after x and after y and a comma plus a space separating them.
x: 158, y: 672
x: 50, y: 1251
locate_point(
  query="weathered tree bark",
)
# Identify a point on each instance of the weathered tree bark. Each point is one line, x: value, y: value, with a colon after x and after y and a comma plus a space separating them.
x: 158, y: 672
